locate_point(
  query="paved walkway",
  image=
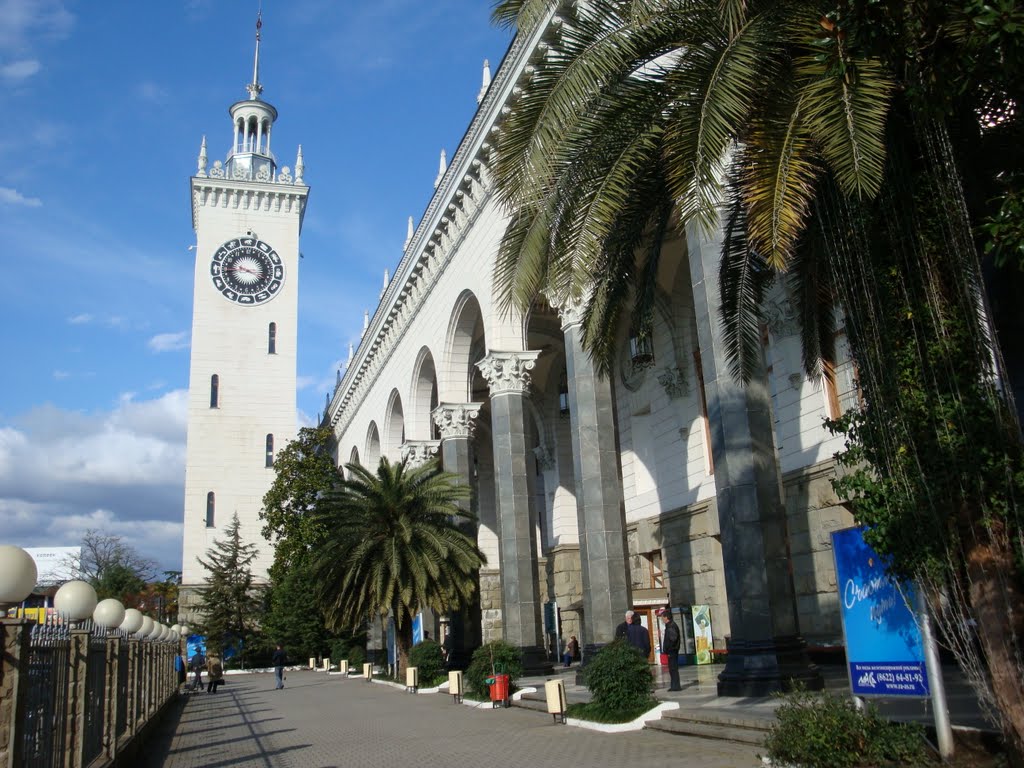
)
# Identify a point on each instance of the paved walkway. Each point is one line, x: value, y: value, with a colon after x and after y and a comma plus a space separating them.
x: 329, y: 722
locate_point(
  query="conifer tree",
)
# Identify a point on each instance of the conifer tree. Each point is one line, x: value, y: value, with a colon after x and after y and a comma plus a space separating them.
x: 229, y: 603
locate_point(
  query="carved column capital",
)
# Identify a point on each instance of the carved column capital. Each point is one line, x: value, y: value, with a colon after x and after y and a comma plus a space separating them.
x: 570, y: 310
x: 417, y: 452
x: 456, y: 419
x: 508, y: 371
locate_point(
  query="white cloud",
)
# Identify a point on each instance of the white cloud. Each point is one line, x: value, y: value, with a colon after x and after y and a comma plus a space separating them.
x: 10, y: 196
x: 61, y: 375
x: 19, y: 70
x: 152, y: 92
x: 82, y: 319
x: 122, y: 472
x: 168, y: 342
x: 28, y: 20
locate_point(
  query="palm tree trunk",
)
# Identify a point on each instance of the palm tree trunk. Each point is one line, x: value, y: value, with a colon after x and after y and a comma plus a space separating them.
x: 994, y: 591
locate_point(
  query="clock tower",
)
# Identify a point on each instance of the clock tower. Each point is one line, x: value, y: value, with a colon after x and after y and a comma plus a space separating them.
x: 247, y: 214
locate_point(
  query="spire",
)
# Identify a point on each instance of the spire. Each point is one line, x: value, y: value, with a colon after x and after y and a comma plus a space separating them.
x: 366, y: 321
x: 387, y: 279
x: 300, y: 167
x: 202, y: 159
x: 254, y: 88
x: 442, y: 166
x: 351, y: 352
x: 486, y: 82
x: 408, y: 234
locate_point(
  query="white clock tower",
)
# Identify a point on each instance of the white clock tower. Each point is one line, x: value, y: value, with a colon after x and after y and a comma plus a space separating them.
x: 247, y: 213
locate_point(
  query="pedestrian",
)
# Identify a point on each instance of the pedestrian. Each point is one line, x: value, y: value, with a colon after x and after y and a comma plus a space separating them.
x: 279, y: 659
x: 638, y: 636
x: 215, y: 671
x: 179, y: 670
x: 670, y: 640
x: 572, y: 650
x: 622, y: 631
x: 448, y: 646
x: 198, y: 663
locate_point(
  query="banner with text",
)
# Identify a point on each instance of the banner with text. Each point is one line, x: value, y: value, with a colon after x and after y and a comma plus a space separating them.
x: 884, y: 650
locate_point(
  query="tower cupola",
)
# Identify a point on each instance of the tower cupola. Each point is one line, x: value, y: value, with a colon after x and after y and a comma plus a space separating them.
x: 253, y: 119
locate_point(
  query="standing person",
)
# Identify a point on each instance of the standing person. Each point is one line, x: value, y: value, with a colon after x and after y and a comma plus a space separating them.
x: 448, y: 645
x: 179, y: 670
x: 638, y: 636
x: 572, y: 649
x: 216, y: 674
x: 622, y: 631
x: 279, y: 659
x: 670, y: 641
x: 198, y: 663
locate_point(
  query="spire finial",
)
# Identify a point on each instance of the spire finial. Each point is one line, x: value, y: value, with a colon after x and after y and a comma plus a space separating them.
x: 366, y: 320
x: 351, y: 352
x: 300, y: 166
x: 387, y: 279
x: 254, y: 88
x: 486, y: 82
x: 408, y: 233
x: 202, y: 159
x: 442, y: 166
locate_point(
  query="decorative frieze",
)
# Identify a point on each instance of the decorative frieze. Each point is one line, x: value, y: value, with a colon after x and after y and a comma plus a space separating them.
x: 417, y: 452
x: 673, y: 380
x: 508, y: 371
x: 456, y: 419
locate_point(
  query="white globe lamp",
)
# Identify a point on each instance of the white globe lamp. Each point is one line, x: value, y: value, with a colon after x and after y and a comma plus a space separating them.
x: 146, y: 628
x: 132, y: 621
x: 76, y: 600
x: 109, y: 613
x: 176, y: 627
x: 17, y: 575
x: 185, y: 630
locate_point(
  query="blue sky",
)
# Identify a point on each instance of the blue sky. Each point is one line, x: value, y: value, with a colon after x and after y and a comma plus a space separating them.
x: 105, y: 105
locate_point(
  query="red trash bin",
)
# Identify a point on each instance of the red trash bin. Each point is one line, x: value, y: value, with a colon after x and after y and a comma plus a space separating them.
x: 499, y: 691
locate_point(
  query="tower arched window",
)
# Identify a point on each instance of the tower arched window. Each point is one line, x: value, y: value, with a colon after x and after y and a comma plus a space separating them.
x: 215, y: 391
x: 272, y: 339
x: 210, y: 509
x: 270, y: 450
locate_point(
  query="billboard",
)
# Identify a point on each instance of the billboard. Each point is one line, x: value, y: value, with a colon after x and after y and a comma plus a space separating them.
x: 884, y: 650
x: 55, y: 564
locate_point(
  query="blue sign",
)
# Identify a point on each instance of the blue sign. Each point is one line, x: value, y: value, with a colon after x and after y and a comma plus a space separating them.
x: 195, y: 645
x: 884, y: 649
x: 417, y: 629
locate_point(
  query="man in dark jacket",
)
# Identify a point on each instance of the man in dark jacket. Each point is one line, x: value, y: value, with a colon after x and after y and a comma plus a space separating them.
x: 622, y: 631
x: 279, y: 659
x: 670, y: 640
x: 638, y: 636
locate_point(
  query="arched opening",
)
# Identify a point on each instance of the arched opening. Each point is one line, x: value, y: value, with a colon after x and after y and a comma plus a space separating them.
x: 466, y: 346
x: 270, y: 451
x: 394, y: 427
x: 211, y: 504
x: 424, y: 398
x: 372, y: 447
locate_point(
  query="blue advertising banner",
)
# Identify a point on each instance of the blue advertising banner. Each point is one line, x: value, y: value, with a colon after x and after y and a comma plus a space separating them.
x: 417, y: 629
x: 884, y: 650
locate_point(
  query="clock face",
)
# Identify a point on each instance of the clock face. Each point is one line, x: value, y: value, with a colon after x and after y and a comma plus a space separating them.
x: 247, y: 271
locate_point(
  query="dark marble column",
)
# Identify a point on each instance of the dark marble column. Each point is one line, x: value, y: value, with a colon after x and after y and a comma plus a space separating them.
x: 507, y: 374
x: 456, y: 421
x: 766, y: 652
x: 601, y: 520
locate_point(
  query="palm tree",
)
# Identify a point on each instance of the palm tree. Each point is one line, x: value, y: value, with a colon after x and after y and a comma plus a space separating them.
x: 824, y: 138
x: 394, y: 545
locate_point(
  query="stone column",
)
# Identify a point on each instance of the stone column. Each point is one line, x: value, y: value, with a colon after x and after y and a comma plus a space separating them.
x: 601, y: 519
x: 132, y: 700
x: 15, y: 635
x: 78, y: 660
x: 507, y: 374
x: 110, y: 693
x: 766, y: 652
x: 456, y: 422
x: 417, y: 452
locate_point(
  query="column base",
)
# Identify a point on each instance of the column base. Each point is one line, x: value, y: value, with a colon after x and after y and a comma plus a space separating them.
x: 764, y: 667
x: 534, y: 661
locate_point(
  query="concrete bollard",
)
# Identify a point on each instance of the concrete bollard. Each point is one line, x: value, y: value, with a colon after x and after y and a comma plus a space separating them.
x: 343, y: 666
x: 554, y: 691
x: 368, y: 671
x: 412, y: 679
x: 455, y: 685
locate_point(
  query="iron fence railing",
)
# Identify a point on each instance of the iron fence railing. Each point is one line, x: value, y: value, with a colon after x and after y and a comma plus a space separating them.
x: 121, y: 692
x: 95, y: 697
x: 45, y: 724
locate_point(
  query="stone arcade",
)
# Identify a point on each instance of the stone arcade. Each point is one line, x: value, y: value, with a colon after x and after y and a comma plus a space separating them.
x: 667, y: 482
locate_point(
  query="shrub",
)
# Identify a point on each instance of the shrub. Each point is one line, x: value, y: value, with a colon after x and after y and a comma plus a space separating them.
x: 339, y: 650
x: 494, y: 656
x: 826, y: 731
x: 620, y: 680
x: 356, y: 657
x: 429, y: 659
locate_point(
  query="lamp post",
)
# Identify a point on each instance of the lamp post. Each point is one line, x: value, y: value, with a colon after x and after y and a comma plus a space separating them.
x: 76, y: 600
x: 17, y: 579
x: 109, y: 615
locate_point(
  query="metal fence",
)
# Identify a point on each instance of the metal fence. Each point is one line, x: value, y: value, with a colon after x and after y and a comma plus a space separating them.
x: 82, y: 694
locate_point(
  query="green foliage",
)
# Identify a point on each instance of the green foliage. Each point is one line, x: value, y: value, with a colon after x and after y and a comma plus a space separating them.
x: 1005, y: 231
x: 620, y: 680
x: 228, y: 603
x: 826, y: 731
x: 356, y: 657
x: 495, y: 656
x: 303, y: 470
x: 291, y: 615
x: 595, y: 713
x: 429, y: 659
x: 393, y: 544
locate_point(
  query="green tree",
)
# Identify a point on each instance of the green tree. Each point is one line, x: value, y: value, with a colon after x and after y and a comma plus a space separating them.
x: 292, y: 616
x: 114, y: 568
x: 303, y: 470
x: 228, y: 602
x: 393, y: 545
x: 832, y: 134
